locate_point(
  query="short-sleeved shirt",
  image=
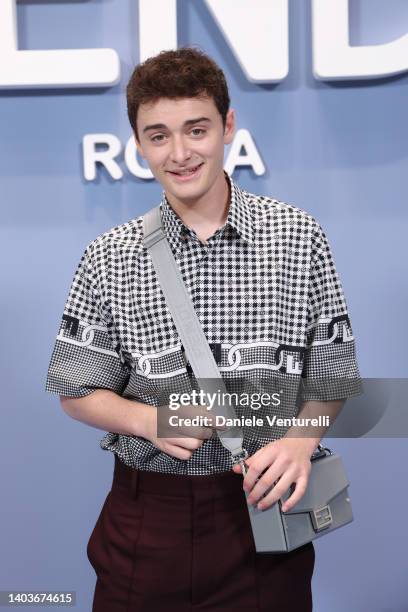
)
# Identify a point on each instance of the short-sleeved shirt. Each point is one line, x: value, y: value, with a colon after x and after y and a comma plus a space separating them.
x: 266, y: 292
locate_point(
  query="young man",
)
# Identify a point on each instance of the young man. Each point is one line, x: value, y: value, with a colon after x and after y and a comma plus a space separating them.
x: 174, y: 531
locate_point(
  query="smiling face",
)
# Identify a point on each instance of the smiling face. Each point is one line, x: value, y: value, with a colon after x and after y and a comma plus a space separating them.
x: 183, y: 142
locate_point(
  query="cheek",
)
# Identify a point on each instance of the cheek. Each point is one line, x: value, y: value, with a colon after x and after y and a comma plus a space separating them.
x: 213, y: 149
x: 155, y: 157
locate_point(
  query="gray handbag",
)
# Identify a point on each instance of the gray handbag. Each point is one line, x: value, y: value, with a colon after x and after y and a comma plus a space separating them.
x: 325, y: 506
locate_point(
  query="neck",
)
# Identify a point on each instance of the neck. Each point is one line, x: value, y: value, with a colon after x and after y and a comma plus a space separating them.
x: 207, y: 213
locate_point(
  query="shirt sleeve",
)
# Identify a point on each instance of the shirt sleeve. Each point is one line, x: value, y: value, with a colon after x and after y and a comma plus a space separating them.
x: 330, y: 370
x: 86, y: 355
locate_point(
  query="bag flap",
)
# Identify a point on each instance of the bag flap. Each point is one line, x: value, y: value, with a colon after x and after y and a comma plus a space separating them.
x: 327, y: 479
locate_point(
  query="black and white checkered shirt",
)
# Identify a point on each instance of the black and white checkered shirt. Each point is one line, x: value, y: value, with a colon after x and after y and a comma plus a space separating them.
x: 266, y: 292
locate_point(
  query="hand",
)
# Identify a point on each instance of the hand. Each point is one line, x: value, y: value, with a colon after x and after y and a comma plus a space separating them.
x: 287, y: 461
x: 178, y: 441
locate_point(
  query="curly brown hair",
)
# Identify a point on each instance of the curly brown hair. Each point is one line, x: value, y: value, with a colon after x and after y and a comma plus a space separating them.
x: 184, y: 73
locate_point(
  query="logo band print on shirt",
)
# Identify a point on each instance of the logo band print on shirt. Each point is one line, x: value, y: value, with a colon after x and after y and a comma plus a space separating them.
x: 268, y: 296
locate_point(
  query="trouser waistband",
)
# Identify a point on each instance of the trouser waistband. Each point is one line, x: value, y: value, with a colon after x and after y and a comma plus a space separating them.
x: 176, y: 485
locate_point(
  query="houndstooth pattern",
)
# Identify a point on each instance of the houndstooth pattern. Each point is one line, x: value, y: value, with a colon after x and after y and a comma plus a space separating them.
x: 266, y: 291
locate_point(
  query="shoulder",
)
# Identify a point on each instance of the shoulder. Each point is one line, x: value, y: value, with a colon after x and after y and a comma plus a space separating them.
x: 126, y: 238
x: 278, y: 215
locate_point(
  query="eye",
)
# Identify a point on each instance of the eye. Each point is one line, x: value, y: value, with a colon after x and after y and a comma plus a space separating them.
x: 197, y: 131
x: 157, y: 138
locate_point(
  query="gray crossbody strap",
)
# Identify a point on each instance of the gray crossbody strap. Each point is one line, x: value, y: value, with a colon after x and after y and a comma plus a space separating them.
x: 188, y: 326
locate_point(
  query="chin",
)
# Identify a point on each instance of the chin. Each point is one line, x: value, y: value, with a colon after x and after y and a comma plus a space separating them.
x: 191, y: 193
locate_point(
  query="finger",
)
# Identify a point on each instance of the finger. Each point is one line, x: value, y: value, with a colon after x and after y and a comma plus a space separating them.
x: 186, y: 431
x: 265, y: 482
x: 276, y: 493
x: 203, y: 433
x: 256, y: 467
x: 188, y: 443
x: 189, y: 421
x: 195, y: 410
x: 300, y: 490
x: 177, y: 451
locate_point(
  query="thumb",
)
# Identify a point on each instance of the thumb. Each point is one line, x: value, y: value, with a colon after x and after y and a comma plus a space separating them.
x: 238, y: 467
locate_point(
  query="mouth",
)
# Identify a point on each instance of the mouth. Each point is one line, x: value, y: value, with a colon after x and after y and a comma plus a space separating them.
x: 186, y: 175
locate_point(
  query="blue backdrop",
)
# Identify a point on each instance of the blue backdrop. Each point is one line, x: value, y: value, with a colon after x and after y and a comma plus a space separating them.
x: 337, y: 150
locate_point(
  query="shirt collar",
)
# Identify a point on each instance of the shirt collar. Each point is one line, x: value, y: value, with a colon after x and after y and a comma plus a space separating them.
x: 239, y: 216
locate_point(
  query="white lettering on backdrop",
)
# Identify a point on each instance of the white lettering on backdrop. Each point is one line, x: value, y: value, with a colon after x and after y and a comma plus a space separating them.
x: 255, y: 30
x: 50, y: 68
x: 334, y: 58
x: 110, y: 156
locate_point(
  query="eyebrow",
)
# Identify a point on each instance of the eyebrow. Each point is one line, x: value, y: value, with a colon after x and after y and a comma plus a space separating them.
x: 162, y: 126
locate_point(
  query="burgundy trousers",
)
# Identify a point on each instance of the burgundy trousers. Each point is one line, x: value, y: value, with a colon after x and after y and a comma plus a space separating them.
x: 174, y: 543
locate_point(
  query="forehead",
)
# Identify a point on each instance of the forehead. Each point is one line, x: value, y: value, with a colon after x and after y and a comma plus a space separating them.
x: 173, y: 112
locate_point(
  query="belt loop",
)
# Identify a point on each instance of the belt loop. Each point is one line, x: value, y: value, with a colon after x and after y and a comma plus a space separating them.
x: 134, y: 483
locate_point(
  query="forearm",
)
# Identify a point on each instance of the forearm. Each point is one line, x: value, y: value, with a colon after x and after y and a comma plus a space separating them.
x: 312, y: 409
x: 108, y: 411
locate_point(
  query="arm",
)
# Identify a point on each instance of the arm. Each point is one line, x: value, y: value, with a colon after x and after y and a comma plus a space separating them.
x: 109, y: 411
x: 87, y: 369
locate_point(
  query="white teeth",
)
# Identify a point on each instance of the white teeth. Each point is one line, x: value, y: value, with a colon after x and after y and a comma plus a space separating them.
x: 185, y: 172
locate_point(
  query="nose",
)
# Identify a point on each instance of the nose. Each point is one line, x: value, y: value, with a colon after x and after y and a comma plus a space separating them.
x: 180, y: 152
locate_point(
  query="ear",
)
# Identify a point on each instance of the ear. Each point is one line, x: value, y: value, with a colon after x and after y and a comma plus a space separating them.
x: 229, y: 130
x: 139, y: 147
